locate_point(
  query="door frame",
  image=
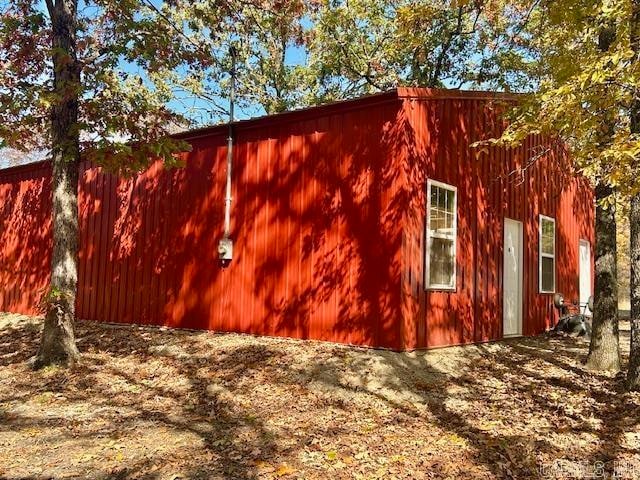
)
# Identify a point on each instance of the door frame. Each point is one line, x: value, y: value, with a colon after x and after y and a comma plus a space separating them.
x: 520, y: 227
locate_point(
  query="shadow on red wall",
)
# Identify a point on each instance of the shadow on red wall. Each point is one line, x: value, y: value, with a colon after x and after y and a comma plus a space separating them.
x: 328, y: 228
x: 25, y: 237
x: 316, y: 222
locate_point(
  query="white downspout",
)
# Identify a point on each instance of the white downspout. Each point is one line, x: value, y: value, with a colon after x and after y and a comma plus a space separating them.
x: 225, y: 246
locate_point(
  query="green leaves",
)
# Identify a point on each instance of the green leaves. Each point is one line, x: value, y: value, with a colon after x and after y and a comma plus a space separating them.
x: 132, y: 158
x: 586, y: 92
x: 144, y: 62
x: 363, y: 46
x: 128, y: 55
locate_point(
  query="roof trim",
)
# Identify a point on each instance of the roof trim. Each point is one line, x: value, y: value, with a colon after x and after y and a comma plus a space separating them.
x: 349, y: 104
x: 443, y: 93
x: 292, y: 115
x: 25, y: 167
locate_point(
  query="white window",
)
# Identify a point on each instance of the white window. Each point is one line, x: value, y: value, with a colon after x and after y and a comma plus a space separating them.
x: 440, y: 258
x: 547, y: 260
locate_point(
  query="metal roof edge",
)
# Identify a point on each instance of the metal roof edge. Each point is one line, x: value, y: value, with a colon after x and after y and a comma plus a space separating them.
x: 24, y: 167
x: 292, y: 115
x: 445, y: 93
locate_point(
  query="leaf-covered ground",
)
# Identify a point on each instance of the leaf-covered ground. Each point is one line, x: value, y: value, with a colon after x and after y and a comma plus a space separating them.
x: 159, y: 404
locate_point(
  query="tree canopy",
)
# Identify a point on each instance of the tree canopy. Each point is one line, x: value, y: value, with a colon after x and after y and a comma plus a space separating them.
x: 585, y: 92
x: 122, y: 52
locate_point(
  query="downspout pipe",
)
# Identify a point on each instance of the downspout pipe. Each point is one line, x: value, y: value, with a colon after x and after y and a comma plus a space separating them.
x: 228, y: 199
x: 225, y: 246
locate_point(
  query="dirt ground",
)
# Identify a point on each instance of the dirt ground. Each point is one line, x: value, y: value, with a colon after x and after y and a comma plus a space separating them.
x: 158, y: 404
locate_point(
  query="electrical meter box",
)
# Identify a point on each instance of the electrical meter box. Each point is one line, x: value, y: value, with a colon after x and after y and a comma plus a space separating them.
x: 225, y: 249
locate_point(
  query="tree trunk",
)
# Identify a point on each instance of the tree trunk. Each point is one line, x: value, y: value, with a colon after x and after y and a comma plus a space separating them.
x: 58, y: 342
x: 604, y: 349
x: 633, y: 375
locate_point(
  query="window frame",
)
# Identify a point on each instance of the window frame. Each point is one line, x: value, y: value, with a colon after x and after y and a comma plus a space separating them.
x: 429, y: 236
x: 542, y: 255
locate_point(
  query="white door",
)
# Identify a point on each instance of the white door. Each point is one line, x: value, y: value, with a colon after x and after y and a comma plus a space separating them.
x: 512, y: 279
x: 585, y: 272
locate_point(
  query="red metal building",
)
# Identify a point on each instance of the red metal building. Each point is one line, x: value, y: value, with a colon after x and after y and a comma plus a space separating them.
x: 370, y: 222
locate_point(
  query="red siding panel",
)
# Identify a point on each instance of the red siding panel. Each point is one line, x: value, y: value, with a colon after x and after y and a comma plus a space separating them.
x: 328, y: 227
x: 492, y: 184
x: 25, y: 237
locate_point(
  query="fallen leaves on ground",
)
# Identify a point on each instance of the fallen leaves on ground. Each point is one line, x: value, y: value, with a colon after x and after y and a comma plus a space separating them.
x: 169, y: 404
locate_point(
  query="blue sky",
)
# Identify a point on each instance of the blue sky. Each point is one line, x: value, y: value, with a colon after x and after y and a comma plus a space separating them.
x: 294, y: 56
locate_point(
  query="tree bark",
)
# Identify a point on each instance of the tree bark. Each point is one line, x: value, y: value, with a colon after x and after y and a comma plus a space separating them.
x: 58, y: 341
x: 604, y: 349
x: 633, y: 374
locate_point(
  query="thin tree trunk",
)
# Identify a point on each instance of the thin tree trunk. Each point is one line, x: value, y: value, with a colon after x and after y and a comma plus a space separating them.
x: 604, y: 349
x: 58, y: 342
x: 633, y: 375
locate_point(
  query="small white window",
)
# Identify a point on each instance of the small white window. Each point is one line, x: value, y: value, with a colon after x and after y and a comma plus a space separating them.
x: 440, y: 257
x: 547, y: 270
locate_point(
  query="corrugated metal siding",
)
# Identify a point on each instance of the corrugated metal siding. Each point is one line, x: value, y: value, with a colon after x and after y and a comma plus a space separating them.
x: 25, y: 237
x: 328, y: 227
x: 315, y: 224
x: 492, y: 184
